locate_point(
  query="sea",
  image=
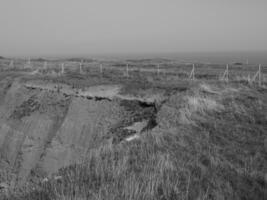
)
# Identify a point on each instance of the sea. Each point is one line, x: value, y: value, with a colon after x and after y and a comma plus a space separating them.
x: 245, y: 57
x: 227, y: 57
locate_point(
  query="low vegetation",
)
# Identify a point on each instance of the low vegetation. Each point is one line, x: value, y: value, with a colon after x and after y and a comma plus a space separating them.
x: 208, y: 144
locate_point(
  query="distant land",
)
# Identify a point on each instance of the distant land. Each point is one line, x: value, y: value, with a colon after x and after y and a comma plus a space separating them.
x: 253, y: 57
x: 228, y: 57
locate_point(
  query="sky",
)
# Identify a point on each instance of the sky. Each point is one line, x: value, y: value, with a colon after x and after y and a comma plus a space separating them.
x: 91, y: 27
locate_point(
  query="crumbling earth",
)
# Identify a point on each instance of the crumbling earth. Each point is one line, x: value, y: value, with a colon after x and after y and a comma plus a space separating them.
x: 46, y: 126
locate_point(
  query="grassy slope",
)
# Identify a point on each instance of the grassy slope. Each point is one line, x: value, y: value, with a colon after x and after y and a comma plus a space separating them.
x: 209, y: 144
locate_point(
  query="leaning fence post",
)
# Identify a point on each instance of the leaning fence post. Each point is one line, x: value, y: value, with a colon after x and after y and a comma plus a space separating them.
x: 192, y: 74
x: 225, y: 76
x: 259, y: 75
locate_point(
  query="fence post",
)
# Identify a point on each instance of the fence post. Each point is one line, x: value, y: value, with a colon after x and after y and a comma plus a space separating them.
x: 45, y: 65
x: 127, y: 70
x: 11, y: 64
x: 259, y: 75
x: 225, y: 76
x: 227, y: 73
x: 81, y: 70
x: 249, y: 79
x: 101, y: 68
x: 28, y: 63
x: 158, y: 70
x: 192, y: 74
x: 62, y: 68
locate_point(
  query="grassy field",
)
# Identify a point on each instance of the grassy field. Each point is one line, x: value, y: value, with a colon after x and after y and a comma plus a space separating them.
x: 160, y: 68
x: 208, y: 141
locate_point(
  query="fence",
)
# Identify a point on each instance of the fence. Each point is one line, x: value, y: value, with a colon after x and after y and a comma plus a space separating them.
x: 249, y: 73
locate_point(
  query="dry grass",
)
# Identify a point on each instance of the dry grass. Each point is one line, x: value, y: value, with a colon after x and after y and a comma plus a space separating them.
x: 184, y: 108
x: 207, y: 145
x: 202, y: 104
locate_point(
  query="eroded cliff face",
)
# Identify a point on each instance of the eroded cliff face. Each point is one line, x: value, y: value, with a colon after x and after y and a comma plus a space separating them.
x: 42, y: 131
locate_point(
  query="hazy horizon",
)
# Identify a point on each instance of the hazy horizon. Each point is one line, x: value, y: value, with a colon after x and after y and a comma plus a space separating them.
x: 63, y: 28
x: 252, y: 57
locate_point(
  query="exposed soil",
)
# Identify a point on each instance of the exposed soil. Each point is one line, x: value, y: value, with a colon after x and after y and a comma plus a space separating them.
x: 136, y: 112
x: 54, y: 125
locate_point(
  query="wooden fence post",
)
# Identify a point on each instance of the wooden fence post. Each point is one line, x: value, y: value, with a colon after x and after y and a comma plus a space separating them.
x: 225, y: 76
x: 101, y: 68
x: 28, y: 63
x: 127, y: 70
x: 11, y: 64
x: 62, y: 68
x: 258, y: 74
x: 45, y: 65
x: 192, y: 74
x: 81, y: 70
x: 249, y: 79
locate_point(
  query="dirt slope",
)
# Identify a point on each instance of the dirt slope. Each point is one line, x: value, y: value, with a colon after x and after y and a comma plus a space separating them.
x: 42, y: 131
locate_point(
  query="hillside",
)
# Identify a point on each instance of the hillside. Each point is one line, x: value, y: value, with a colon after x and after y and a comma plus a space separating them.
x: 131, y: 140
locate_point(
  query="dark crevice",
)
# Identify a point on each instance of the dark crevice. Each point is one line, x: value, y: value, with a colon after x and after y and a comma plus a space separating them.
x: 136, y: 112
x: 101, y: 98
x: 152, y: 123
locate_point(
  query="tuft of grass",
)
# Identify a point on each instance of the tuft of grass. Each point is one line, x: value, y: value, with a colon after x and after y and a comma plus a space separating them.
x: 203, y: 104
x: 185, y: 107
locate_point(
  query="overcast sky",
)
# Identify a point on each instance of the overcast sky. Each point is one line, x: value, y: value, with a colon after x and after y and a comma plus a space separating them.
x: 73, y: 27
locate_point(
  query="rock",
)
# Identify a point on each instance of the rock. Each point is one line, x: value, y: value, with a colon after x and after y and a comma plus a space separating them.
x: 132, y: 137
x: 137, y: 126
